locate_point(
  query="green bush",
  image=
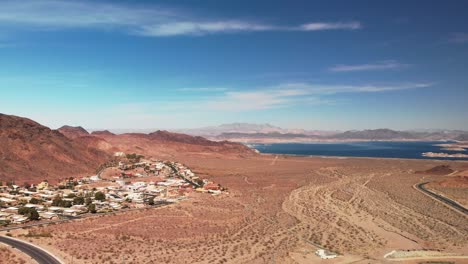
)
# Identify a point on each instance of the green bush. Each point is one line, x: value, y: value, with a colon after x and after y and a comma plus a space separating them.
x: 92, y: 208
x: 30, y: 213
x: 78, y: 200
x: 100, y: 196
x: 35, y: 201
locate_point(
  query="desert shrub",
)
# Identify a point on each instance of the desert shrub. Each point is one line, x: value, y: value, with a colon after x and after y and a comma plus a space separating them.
x: 30, y: 213
x: 39, y: 234
x: 92, y: 208
x: 78, y: 200
x: 35, y: 201
x: 99, y: 196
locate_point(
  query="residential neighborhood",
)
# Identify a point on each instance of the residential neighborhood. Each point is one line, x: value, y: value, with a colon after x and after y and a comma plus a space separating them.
x: 129, y: 182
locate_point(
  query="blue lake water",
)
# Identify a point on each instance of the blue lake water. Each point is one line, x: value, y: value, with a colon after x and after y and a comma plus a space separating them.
x: 377, y: 149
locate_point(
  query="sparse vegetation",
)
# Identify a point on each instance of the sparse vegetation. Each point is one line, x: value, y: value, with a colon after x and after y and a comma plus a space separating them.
x: 38, y: 234
x: 349, y: 206
x: 100, y: 196
x: 30, y: 213
x: 92, y: 208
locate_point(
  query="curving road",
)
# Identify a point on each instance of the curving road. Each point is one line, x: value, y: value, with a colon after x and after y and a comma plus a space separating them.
x: 440, y: 198
x: 41, y: 256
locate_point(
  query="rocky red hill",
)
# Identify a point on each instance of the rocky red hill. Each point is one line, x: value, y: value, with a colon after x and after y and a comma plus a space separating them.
x: 164, y: 144
x: 73, y: 132
x: 437, y: 170
x: 102, y: 133
x: 30, y: 152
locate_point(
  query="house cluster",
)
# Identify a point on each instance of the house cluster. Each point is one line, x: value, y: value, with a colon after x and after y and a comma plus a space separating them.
x: 19, y: 205
x: 164, y: 170
x: 137, y: 185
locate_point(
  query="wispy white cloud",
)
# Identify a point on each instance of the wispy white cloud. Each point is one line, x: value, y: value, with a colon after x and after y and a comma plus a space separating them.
x: 52, y: 14
x: 183, y: 111
x: 384, y: 65
x: 459, y: 37
x: 331, y: 26
x: 203, y: 89
x: 254, y: 100
x: 151, y: 21
x: 201, y: 28
x: 283, y: 96
x: 334, y: 89
x: 204, y: 28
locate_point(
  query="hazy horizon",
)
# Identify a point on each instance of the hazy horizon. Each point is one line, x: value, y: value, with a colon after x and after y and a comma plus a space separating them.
x: 149, y: 130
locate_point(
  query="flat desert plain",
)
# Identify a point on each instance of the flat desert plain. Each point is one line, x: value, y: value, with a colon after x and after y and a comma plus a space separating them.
x: 279, y: 209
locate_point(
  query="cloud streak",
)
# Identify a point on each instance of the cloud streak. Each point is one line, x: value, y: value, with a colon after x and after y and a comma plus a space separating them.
x: 384, y: 65
x: 286, y: 95
x: 353, y: 25
x: 203, y: 89
x: 205, y: 28
x: 149, y: 21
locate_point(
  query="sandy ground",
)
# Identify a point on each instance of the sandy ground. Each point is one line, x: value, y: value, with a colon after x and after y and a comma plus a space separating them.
x: 12, y: 256
x: 278, y: 210
x: 454, y: 186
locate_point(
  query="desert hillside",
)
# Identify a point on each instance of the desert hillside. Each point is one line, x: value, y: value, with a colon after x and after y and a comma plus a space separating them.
x: 30, y: 152
x: 166, y: 145
x: 73, y: 132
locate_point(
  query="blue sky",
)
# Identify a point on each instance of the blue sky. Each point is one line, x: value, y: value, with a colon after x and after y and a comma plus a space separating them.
x: 331, y: 65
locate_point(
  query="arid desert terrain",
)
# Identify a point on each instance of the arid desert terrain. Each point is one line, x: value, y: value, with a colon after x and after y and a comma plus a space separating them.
x: 280, y: 209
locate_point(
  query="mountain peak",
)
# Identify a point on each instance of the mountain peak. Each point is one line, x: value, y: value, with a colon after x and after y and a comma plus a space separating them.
x: 73, y: 131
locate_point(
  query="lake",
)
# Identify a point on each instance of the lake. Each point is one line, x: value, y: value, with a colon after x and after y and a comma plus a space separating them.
x: 377, y: 149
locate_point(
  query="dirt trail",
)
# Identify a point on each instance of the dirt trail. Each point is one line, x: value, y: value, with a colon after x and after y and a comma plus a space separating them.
x: 349, y: 216
x: 274, y: 161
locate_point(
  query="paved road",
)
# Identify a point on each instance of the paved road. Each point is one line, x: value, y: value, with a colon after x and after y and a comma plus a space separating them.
x: 36, y: 253
x: 443, y: 199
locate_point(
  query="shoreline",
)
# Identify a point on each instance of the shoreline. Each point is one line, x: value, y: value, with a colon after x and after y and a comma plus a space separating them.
x: 331, y: 141
x: 363, y: 157
x: 422, y: 156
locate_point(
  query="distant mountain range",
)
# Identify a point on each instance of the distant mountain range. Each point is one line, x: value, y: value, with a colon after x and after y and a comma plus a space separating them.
x: 249, y: 128
x: 266, y: 133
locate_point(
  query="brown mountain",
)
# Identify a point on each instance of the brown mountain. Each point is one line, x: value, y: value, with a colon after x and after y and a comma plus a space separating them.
x: 437, y: 170
x: 462, y: 137
x: 375, y: 134
x: 102, y: 133
x: 162, y: 135
x: 73, y: 132
x: 164, y: 144
x: 32, y: 152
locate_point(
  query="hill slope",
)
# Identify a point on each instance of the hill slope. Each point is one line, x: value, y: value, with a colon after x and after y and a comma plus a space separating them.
x: 164, y: 144
x: 375, y: 134
x: 73, y: 132
x: 32, y: 152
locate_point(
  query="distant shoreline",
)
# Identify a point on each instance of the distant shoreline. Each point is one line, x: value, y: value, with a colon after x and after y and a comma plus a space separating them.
x: 361, y: 157
x: 318, y: 141
x: 390, y: 151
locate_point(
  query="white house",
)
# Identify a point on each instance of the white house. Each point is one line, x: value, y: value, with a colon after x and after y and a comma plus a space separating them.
x: 48, y: 215
x: 322, y: 253
x: 19, y: 219
x: 94, y: 178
